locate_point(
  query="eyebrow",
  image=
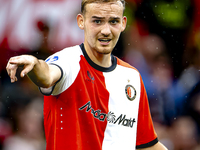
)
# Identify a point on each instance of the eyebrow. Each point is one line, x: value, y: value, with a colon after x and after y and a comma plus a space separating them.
x: 96, y: 17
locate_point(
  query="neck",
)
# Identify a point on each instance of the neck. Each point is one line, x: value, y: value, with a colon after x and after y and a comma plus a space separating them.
x: 103, y: 60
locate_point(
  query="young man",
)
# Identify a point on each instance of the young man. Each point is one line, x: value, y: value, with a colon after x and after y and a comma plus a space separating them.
x: 95, y: 101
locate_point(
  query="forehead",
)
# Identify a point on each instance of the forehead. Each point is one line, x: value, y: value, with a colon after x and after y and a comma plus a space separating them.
x: 104, y: 9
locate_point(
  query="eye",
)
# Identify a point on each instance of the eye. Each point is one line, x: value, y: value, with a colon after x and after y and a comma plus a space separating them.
x: 114, y: 21
x: 97, y: 21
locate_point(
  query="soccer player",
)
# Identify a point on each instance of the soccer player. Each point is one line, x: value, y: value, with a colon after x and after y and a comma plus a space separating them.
x: 93, y: 100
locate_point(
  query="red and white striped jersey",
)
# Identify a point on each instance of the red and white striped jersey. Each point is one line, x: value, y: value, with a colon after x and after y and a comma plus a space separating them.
x: 96, y: 108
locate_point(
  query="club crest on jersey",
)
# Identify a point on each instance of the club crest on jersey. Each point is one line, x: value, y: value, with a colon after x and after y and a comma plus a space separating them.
x: 130, y: 92
x: 52, y: 59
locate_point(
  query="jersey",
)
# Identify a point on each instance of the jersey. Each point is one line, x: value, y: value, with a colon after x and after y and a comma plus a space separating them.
x: 96, y: 108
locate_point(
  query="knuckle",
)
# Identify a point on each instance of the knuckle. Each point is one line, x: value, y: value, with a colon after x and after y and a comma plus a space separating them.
x: 8, y: 67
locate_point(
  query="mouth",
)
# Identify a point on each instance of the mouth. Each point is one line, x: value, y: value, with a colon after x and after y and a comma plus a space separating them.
x: 104, y: 41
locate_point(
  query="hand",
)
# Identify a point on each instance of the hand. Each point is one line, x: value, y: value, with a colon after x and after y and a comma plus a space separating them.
x: 27, y: 61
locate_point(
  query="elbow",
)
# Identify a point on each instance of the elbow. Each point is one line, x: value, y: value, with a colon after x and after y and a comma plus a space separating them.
x: 42, y: 83
x: 45, y: 84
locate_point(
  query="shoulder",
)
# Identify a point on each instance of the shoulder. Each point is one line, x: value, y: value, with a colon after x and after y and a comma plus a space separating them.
x: 125, y: 64
x: 65, y: 54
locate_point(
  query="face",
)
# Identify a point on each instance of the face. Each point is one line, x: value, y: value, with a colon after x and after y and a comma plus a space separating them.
x: 102, y: 24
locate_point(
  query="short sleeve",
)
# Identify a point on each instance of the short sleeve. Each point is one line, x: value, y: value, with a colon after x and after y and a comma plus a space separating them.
x: 146, y: 135
x: 68, y: 62
x: 57, y: 60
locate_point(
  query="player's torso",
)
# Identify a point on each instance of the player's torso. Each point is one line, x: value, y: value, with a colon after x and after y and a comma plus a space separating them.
x: 97, y: 110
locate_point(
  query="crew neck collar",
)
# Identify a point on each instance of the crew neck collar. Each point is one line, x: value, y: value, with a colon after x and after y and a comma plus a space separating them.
x: 97, y: 67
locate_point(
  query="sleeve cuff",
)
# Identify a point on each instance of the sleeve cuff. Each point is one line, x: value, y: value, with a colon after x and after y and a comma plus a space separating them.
x: 147, y: 144
x: 48, y: 91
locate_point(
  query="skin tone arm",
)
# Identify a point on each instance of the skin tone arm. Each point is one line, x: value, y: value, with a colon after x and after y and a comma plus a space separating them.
x: 42, y: 74
x: 158, y: 146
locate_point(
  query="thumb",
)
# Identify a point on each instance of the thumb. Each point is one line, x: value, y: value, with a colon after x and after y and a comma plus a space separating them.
x: 26, y: 70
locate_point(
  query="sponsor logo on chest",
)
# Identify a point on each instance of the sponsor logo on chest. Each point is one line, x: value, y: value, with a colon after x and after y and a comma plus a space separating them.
x: 111, y: 118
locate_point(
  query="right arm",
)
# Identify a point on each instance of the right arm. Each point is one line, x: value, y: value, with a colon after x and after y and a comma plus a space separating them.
x: 42, y: 74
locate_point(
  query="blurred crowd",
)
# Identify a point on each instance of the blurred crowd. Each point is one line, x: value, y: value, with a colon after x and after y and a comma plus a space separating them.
x: 162, y: 40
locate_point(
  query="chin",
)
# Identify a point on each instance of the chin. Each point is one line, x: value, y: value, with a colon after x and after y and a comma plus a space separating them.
x: 104, y: 51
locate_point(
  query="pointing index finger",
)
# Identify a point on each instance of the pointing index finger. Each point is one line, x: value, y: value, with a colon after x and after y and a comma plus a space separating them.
x: 15, y: 60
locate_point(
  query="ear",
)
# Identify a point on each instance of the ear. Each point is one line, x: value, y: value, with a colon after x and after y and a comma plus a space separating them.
x: 124, y: 22
x: 80, y: 21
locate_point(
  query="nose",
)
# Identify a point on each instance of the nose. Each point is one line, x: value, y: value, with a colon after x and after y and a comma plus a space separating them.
x: 106, y: 31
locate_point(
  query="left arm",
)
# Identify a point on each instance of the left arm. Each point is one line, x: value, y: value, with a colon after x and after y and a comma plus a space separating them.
x: 157, y: 146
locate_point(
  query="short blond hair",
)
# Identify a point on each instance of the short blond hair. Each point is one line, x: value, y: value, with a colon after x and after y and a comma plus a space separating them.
x: 85, y: 2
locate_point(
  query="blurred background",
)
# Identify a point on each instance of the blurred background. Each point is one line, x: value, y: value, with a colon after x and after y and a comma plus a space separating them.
x: 162, y: 40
